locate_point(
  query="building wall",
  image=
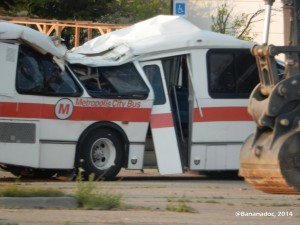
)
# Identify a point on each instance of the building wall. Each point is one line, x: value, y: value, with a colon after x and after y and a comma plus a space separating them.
x: 199, y: 12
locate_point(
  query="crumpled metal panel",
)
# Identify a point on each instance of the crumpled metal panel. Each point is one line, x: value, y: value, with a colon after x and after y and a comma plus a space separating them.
x: 160, y: 33
x: 33, y: 38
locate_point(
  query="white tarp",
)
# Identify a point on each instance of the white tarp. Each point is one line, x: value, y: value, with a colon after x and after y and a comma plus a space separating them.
x: 36, y: 39
x: 160, y: 33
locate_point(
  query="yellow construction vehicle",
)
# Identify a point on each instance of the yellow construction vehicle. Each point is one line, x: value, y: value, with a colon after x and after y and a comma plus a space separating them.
x: 270, y: 157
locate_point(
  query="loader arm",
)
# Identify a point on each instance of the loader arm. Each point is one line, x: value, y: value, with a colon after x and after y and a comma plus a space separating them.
x: 270, y: 157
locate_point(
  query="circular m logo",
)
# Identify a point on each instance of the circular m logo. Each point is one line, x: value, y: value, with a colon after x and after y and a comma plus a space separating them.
x: 64, y: 108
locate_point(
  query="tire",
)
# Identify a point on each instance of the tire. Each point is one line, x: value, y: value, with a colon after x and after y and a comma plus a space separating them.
x: 102, y: 154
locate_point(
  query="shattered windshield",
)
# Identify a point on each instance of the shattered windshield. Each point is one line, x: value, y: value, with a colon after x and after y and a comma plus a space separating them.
x: 114, y: 81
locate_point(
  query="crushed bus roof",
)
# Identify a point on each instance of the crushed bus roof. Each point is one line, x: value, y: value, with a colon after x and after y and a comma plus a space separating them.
x: 33, y: 38
x: 160, y: 33
x: 155, y: 35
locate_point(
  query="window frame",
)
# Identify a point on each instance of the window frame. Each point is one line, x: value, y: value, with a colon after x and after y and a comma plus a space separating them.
x: 96, y: 81
x: 162, y: 100
x: 23, y: 49
x: 234, y: 94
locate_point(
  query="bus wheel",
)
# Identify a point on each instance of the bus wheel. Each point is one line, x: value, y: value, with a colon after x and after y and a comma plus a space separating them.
x: 102, y: 154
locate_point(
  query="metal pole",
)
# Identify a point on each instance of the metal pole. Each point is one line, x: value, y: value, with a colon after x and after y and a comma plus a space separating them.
x: 267, y: 21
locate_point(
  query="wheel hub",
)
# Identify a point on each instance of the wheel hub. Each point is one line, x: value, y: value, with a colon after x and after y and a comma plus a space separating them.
x: 103, y: 153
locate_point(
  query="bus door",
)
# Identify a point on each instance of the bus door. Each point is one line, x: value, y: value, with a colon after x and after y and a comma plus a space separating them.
x: 162, y: 122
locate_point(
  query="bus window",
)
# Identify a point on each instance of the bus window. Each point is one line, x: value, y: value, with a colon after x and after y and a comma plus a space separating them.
x: 154, y: 77
x: 232, y: 73
x: 122, y: 81
x: 38, y: 74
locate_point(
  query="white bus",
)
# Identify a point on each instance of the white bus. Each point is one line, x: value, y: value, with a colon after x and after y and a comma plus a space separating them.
x: 96, y: 105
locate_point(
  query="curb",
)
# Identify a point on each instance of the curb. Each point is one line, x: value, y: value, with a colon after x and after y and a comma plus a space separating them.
x: 39, y: 202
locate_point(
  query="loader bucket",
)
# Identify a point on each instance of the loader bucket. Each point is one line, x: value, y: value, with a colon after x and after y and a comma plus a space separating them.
x: 272, y: 167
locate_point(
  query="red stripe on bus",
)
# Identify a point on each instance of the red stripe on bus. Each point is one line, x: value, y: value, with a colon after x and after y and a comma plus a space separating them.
x: 112, y: 114
x: 162, y: 120
x: 213, y: 114
x: 47, y: 111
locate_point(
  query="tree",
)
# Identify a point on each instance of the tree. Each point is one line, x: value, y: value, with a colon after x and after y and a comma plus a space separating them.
x: 133, y: 11
x: 57, y: 9
x: 145, y: 9
x: 239, y: 26
x: 103, y: 11
x: 70, y: 9
x: 12, y: 7
x: 106, y: 11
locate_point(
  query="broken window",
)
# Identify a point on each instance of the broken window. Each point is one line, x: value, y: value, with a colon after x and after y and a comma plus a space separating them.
x: 122, y: 81
x: 38, y: 74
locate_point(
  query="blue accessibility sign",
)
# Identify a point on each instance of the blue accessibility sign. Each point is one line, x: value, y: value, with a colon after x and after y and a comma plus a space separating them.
x: 180, y: 8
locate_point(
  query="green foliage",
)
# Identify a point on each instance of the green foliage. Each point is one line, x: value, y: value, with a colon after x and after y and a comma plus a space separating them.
x: 211, y: 201
x: 106, y: 11
x: 15, y: 191
x: 13, y: 7
x: 238, y: 26
x: 179, y: 207
x: 179, y: 204
x: 70, y: 9
x: 85, y: 193
x: 144, y: 9
x: 183, y: 199
x: 8, y: 223
x: 57, y: 9
x: 128, y: 12
x: 89, y: 199
x: 68, y: 223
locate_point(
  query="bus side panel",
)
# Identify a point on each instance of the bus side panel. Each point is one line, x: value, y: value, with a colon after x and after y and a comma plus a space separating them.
x: 215, y: 156
x: 57, y: 156
x: 19, y: 142
x: 19, y: 139
x: 219, y: 125
x: 219, y: 157
x: 222, y: 131
x: 8, y: 65
x: 136, y: 156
